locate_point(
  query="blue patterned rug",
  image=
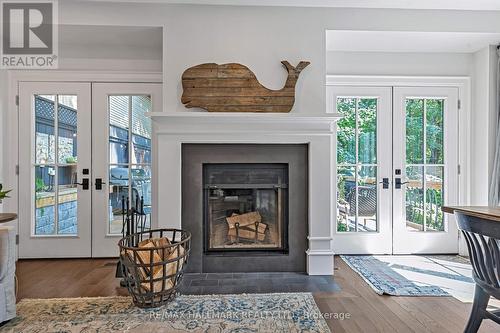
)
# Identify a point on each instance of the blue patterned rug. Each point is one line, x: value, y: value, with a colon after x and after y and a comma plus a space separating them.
x: 401, y: 275
x: 293, y: 312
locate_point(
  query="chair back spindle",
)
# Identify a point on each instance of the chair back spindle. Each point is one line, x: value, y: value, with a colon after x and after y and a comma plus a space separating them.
x: 483, y: 244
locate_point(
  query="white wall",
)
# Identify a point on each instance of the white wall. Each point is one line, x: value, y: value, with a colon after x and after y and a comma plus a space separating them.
x: 492, y: 109
x: 3, y: 112
x: 110, y: 48
x: 395, y: 63
x: 483, y: 123
x: 122, y: 65
x: 261, y: 37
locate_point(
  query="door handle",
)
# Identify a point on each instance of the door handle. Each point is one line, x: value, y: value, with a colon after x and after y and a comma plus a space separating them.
x: 385, y: 183
x: 398, y: 183
x: 99, y: 183
x: 85, y: 184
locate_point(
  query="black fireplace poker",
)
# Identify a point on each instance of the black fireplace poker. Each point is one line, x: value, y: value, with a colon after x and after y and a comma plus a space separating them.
x: 133, y: 218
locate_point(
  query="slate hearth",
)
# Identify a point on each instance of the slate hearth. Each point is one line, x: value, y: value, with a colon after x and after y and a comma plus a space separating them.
x: 265, y: 282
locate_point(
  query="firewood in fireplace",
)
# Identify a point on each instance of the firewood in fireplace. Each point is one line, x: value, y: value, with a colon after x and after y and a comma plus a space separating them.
x: 247, y: 220
x: 245, y: 234
x: 261, y: 227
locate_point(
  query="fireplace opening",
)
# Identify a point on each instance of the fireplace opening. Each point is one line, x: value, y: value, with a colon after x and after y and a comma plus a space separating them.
x: 245, y: 207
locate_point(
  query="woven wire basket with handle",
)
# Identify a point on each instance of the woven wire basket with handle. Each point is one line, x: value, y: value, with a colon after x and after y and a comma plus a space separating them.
x: 153, y: 263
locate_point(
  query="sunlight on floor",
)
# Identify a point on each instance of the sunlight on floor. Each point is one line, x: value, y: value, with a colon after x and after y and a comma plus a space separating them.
x: 451, y: 273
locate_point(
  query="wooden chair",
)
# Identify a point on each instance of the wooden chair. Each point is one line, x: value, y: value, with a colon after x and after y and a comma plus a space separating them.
x: 483, y: 244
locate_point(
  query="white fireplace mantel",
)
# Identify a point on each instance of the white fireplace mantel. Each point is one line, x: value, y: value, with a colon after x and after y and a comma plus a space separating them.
x: 171, y: 130
x: 187, y: 122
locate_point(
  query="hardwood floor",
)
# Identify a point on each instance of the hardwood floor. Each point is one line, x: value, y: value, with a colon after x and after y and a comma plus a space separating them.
x: 367, y: 311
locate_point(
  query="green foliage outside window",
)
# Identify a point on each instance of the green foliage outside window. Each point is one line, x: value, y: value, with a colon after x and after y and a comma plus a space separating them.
x: 39, y: 185
x: 424, y: 122
x: 358, y: 126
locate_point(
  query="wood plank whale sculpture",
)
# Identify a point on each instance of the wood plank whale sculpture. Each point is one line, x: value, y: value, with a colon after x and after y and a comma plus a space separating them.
x: 235, y: 88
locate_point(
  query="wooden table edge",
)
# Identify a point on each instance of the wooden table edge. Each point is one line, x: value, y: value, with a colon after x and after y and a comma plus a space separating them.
x: 7, y: 217
x: 483, y: 212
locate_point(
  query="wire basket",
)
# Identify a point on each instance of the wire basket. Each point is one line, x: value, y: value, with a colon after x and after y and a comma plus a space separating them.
x: 153, y: 263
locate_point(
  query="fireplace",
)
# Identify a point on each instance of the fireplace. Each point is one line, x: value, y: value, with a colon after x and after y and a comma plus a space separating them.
x: 303, y: 139
x: 245, y: 207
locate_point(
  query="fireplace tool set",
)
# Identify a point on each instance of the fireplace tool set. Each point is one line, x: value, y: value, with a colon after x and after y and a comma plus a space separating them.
x: 133, y: 220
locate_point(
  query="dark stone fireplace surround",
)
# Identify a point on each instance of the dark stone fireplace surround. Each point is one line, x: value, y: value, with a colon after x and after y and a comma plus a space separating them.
x: 296, y: 156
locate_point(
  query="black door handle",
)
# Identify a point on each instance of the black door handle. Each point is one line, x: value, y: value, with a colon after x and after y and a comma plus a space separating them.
x: 385, y: 183
x: 398, y: 183
x: 85, y: 184
x: 99, y: 183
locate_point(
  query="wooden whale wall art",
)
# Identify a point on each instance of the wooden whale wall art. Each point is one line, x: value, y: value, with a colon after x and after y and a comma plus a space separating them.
x: 235, y: 88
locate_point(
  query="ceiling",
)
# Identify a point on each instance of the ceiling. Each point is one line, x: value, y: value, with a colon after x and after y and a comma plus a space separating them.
x: 408, y: 41
x: 397, y: 4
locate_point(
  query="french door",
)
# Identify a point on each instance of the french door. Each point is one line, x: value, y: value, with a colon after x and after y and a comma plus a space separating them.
x: 122, y: 163
x: 85, y: 149
x: 54, y: 169
x: 364, y: 163
x: 397, y: 165
x: 425, y: 163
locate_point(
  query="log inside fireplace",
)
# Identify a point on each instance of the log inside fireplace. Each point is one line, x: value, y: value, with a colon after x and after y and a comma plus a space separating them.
x: 246, y: 207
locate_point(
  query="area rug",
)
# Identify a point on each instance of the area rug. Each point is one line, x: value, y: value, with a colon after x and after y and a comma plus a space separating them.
x: 293, y: 312
x: 404, y: 275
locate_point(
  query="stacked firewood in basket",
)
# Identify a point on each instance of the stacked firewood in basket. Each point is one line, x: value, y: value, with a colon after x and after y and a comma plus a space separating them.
x: 158, y: 262
x: 246, y: 226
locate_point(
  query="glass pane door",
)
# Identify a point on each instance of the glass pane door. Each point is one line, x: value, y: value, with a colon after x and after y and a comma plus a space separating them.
x: 424, y: 156
x: 357, y: 165
x: 129, y: 157
x: 56, y: 197
x: 363, y: 169
x: 397, y: 165
x: 426, y: 167
x: 123, y: 161
x: 54, y: 166
x: 81, y: 155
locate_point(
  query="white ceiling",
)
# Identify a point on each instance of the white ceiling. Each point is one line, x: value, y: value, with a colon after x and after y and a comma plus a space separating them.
x: 408, y: 41
x: 398, y: 4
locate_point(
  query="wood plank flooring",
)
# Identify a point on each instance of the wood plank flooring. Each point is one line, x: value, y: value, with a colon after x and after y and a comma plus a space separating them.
x: 367, y: 311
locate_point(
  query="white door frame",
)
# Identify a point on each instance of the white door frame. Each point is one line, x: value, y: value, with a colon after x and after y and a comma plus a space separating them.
x: 11, y: 117
x: 463, y: 83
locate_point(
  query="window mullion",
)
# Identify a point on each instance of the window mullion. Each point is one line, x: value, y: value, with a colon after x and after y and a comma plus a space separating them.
x: 130, y: 150
x: 424, y: 178
x: 56, y: 164
x: 356, y: 160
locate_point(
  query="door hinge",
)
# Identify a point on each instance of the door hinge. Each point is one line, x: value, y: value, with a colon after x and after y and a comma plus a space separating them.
x: 17, y: 169
x: 17, y: 100
x: 17, y: 239
x: 459, y: 103
x: 459, y: 169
